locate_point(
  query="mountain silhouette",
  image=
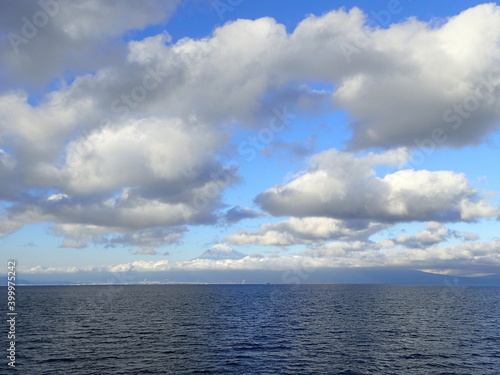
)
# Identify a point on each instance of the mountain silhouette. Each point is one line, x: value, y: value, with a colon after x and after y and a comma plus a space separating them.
x: 221, y: 251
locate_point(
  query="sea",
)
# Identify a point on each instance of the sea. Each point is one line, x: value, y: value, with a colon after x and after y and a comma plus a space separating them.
x: 255, y: 329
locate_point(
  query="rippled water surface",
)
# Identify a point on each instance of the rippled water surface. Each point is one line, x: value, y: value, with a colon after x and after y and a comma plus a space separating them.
x: 258, y: 329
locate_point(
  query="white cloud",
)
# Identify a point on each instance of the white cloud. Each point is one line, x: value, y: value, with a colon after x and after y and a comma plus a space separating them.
x: 131, y: 142
x: 140, y: 266
x: 339, y: 252
x: 305, y: 231
x: 49, y: 38
x: 409, y: 84
x: 144, y: 173
x: 339, y: 185
x: 146, y: 251
x: 466, y: 236
x: 433, y: 234
x: 481, y: 253
x: 463, y: 258
x: 465, y: 255
x: 143, y: 153
x: 80, y: 235
x: 150, y: 238
x: 426, y: 82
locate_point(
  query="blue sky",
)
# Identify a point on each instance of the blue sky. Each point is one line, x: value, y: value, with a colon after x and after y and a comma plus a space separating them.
x: 353, y: 134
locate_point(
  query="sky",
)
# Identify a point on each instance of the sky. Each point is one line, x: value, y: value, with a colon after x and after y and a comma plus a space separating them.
x: 304, y: 135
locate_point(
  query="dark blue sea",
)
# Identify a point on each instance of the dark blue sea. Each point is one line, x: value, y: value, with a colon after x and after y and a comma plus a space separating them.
x: 256, y: 329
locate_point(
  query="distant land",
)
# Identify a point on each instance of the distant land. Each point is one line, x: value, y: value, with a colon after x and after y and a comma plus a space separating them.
x: 318, y: 276
x: 221, y: 252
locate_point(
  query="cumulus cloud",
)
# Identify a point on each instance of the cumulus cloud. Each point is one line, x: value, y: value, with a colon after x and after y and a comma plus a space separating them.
x: 465, y: 255
x: 44, y: 39
x: 131, y: 142
x: 136, y: 266
x: 463, y: 258
x: 144, y: 173
x: 401, y: 85
x: 139, y: 266
x: 466, y: 236
x: 79, y: 235
x: 339, y: 185
x: 407, y: 84
x: 412, y: 83
x: 151, y: 237
x: 481, y: 253
x: 433, y: 234
x: 146, y: 251
x: 308, y: 230
x: 168, y: 153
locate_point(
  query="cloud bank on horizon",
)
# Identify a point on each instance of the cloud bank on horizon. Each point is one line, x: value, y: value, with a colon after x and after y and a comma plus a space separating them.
x: 122, y: 138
